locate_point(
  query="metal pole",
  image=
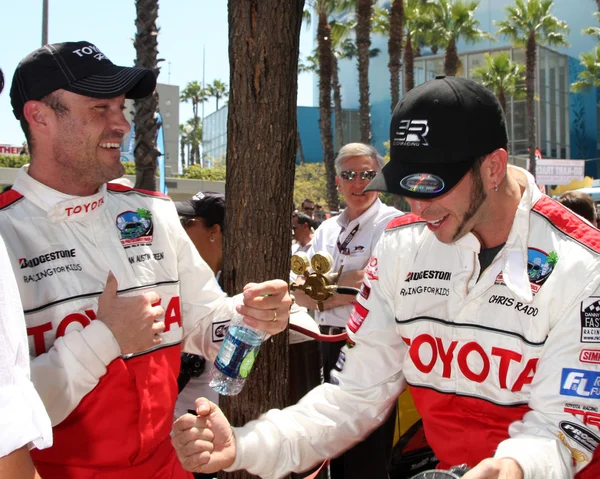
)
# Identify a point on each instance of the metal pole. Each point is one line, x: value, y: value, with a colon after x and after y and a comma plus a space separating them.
x: 203, y: 86
x: 44, y: 22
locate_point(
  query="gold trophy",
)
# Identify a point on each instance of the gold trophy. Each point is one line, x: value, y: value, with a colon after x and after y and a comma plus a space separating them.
x: 321, y: 284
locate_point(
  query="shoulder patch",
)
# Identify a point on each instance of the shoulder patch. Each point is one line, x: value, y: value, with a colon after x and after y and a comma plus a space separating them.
x: 568, y: 223
x: 117, y: 188
x: 8, y: 198
x: 407, y: 219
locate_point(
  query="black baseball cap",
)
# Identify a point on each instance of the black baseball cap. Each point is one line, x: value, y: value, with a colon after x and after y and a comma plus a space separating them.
x: 78, y: 67
x: 208, y: 205
x: 437, y: 132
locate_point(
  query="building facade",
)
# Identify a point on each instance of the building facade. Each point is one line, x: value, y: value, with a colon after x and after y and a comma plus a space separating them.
x: 567, y: 123
x: 214, y: 134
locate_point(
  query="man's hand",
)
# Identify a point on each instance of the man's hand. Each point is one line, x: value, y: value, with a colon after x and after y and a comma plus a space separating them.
x: 204, y: 443
x: 133, y: 320
x: 504, y: 468
x: 266, y: 306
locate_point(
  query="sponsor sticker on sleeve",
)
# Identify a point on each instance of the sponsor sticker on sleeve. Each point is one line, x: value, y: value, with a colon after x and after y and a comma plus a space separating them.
x: 365, y: 291
x: 372, y: 270
x: 590, y: 320
x: 580, y: 383
x: 357, y: 317
x: 590, y: 356
x: 219, y: 331
x: 580, y: 435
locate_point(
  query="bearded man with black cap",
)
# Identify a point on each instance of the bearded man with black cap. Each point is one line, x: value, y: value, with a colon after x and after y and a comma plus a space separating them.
x: 485, y: 301
x: 111, y: 285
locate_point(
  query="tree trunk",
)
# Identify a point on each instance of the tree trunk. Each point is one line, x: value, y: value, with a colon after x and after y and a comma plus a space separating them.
x: 409, y: 65
x: 530, y: 60
x: 299, y: 148
x: 325, y: 72
x: 364, y: 12
x: 598, y: 4
x: 264, y: 38
x: 502, y: 100
x: 337, y: 103
x: 182, y: 146
x: 145, y: 121
x: 395, y: 49
x: 451, y: 59
x: 197, y: 155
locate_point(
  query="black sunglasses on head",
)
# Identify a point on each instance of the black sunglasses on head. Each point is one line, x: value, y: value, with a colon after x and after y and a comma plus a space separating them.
x: 349, y: 175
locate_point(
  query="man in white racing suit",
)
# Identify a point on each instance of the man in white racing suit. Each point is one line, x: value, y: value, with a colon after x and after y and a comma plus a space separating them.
x: 111, y: 286
x: 485, y: 301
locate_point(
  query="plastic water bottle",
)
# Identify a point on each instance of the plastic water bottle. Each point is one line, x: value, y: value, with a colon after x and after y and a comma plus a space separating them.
x: 236, y: 357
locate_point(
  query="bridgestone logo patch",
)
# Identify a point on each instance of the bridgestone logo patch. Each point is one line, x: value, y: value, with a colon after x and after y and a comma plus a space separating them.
x: 45, y: 258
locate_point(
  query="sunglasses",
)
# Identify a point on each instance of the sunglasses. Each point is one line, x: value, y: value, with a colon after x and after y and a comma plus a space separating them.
x: 349, y: 175
x: 307, y: 208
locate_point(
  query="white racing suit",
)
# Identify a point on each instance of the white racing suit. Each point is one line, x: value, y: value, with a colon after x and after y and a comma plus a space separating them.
x: 503, y: 362
x: 111, y: 414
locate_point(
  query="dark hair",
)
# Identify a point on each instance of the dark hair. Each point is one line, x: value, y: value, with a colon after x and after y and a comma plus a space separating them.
x: 580, y: 203
x: 303, y: 219
x: 53, y: 100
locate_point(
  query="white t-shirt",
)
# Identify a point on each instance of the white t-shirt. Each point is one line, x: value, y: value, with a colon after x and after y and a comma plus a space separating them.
x: 23, y: 418
x: 356, y: 238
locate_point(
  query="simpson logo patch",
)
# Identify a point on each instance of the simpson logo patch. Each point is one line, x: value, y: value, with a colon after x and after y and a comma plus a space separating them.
x: 590, y: 320
x: 136, y: 227
x: 590, y: 356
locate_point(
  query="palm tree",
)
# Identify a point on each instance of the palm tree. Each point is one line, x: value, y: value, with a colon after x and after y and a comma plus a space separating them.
x: 455, y: 20
x: 193, y: 92
x: 417, y: 22
x: 183, y: 141
x: 395, y: 48
x: 145, y: 116
x: 217, y: 89
x: 590, y: 76
x: 382, y: 24
x: 343, y: 48
x: 529, y: 23
x: 323, y: 9
x: 364, y: 13
x: 503, y: 76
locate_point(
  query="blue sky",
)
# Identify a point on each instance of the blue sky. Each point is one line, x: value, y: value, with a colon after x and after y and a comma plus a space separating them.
x: 186, y: 28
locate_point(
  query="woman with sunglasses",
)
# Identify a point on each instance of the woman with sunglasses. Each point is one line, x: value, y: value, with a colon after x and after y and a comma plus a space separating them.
x: 350, y: 238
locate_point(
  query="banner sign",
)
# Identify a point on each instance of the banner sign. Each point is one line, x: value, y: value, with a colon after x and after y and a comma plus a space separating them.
x: 559, y: 172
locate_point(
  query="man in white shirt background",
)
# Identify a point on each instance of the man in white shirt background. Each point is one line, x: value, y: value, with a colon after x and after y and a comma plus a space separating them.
x: 303, y: 227
x: 350, y: 238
